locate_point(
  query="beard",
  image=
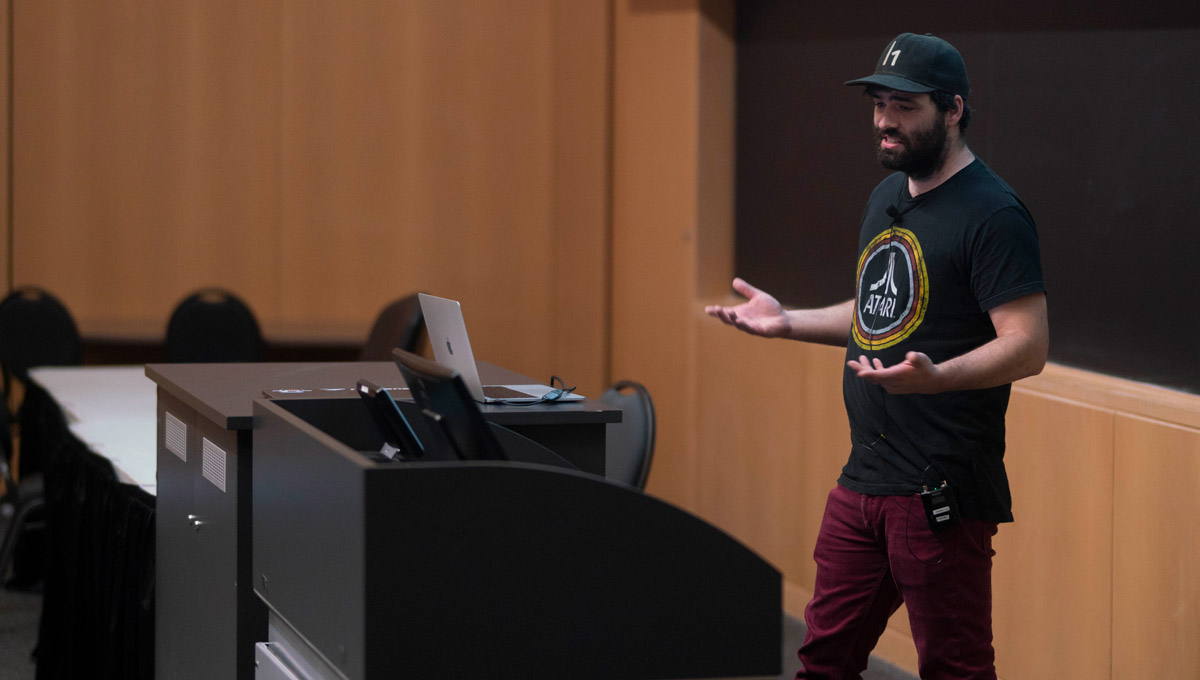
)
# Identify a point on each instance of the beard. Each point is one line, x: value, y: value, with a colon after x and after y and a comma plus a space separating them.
x: 921, y: 154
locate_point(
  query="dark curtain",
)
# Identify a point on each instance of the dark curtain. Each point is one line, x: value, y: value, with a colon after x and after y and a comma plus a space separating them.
x: 98, y: 604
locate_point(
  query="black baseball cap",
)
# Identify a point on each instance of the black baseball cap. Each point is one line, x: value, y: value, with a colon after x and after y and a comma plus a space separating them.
x: 919, y: 63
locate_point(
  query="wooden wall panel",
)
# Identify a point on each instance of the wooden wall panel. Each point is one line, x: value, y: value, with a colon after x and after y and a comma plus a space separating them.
x: 459, y: 149
x: 716, y: 127
x: 145, y: 153
x: 1053, y: 569
x: 771, y: 441
x: 418, y: 155
x: 321, y: 161
x: 1156, y: 570
x: 582, y: 261
x: 654, y: 219
x: 5, y: 151
x: 347, y: 163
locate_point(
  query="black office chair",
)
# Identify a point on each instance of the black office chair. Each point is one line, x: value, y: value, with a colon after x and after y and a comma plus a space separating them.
x: 400, y: 324
x: 213, y: 325
x: 629, y: 445
x: 36, y: 329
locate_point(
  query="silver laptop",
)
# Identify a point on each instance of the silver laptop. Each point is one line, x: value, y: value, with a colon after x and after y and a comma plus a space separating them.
x: 452, y: 349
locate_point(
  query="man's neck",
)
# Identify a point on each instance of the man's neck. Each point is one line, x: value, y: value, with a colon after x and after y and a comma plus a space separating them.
x: 959, y: 158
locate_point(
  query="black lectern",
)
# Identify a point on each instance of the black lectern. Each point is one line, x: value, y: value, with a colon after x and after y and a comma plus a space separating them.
x: 490, y: 569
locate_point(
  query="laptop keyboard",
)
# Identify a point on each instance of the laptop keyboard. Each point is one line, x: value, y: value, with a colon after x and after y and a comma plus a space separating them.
x: 502, y: 392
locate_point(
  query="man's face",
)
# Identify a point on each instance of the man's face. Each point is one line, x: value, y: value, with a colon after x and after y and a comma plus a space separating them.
x: 910, y: 132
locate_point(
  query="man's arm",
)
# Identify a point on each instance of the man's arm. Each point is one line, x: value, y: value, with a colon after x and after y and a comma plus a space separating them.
x: 762, y: 315
x: 1019, y: 350
x: 825, y: 325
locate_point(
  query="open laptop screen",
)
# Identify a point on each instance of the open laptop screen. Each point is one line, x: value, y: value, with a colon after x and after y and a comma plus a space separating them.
x: 452, y: 348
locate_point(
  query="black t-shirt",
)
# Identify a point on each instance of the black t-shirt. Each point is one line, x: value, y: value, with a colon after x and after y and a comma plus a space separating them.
x: 926, y: 281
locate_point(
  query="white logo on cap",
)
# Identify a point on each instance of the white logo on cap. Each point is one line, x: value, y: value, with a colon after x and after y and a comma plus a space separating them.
x: 894, y: 54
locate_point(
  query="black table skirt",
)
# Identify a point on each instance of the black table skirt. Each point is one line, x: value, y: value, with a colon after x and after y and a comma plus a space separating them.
x: 98, y: 604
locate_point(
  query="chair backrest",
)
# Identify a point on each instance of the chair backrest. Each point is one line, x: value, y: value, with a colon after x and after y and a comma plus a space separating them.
x: 213, y: 325
x: 398, y: 325
x: 36, y: 330
x: 629, y: 444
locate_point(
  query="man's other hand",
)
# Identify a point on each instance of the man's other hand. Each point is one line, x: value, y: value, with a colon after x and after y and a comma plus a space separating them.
x: 917, y: 374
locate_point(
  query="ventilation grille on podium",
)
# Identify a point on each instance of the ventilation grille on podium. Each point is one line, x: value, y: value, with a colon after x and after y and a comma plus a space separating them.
x: 175, y: 436
x: 213, y: 464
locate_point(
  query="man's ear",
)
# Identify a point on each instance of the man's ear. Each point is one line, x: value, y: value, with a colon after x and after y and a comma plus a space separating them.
x: 955, y: 115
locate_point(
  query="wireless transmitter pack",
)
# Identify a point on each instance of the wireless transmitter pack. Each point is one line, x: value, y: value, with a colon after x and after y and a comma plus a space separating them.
x: 940, y: 507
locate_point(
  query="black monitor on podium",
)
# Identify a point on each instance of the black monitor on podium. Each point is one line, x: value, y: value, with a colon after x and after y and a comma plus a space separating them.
x: 400, y: 442
x: 455, y: 422
x: 452, y: 415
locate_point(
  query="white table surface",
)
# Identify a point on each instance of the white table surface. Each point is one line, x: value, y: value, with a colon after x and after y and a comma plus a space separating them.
x: 111, y: 409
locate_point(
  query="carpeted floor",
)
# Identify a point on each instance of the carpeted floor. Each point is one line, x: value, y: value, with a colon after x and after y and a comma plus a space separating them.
x: 19, y: 616
x: 793, y: 635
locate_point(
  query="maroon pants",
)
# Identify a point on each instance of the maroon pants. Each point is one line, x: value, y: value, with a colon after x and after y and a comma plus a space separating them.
x: 875, y: 552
